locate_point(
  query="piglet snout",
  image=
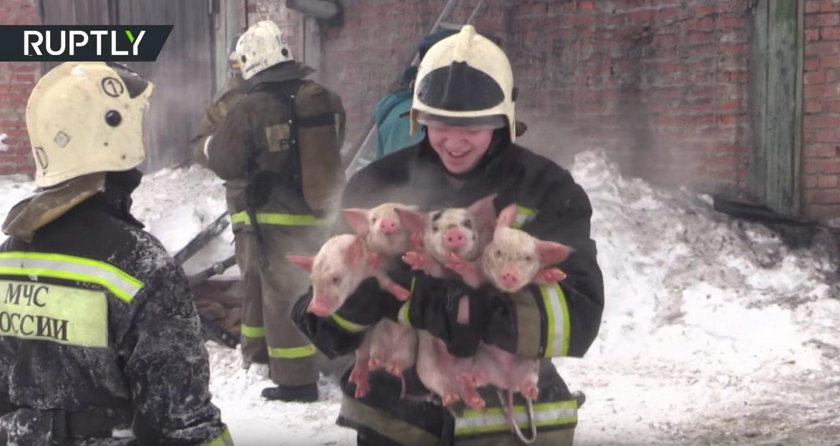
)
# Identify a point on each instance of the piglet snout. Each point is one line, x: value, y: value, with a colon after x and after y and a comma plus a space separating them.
x: 455, y: 238
x: 318, y: 307
x: 388, y: 226
x: 509, y: 278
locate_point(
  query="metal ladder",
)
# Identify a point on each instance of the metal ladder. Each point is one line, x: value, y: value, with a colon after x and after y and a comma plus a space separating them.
x: 362, y: 151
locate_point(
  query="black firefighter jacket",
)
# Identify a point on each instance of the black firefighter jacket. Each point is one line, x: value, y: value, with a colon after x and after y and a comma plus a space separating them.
x: 98, y: 330
x: 548, y: 321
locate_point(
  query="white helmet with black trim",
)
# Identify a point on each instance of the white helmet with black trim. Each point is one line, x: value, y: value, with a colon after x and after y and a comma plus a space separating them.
x: 85, y: 117
x: 261, y: 46
x: 464, y: 80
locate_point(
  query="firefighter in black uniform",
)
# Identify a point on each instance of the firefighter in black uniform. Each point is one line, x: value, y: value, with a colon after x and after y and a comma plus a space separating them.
x: 99, y: 338
x: 464, y: 95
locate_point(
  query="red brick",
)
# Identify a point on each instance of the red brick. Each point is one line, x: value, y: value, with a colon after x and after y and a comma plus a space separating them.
x: 828, y: 181
x: 811, y: 63
x: 811, y: 7
x: 829, y: 6
x: 832, y: 33
x: 821, y: 48
x: 812, y: 34
x: 823, y: 196
x: 822, y: 20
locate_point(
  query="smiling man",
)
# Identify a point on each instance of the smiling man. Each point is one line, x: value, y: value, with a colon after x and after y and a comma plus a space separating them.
x: 464, y: 95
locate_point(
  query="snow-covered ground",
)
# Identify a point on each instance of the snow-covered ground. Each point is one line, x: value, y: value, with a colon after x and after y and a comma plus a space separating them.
x: 714, y: 332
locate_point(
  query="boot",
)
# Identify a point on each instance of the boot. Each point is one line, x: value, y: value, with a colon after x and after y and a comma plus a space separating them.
x: 306, y: 393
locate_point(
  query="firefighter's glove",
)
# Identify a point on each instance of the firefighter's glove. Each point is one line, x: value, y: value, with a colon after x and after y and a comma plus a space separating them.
x: 368, y: 305
x: 434, y: 307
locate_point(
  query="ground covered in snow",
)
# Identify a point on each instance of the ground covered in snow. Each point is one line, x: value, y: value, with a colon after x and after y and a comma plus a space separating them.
x: 714, y: 332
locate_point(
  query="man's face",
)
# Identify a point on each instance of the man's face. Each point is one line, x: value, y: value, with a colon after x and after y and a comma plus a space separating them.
x: 460, y: 148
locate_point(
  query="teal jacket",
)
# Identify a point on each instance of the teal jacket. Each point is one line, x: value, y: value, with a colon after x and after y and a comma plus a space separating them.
x: 392, y: 130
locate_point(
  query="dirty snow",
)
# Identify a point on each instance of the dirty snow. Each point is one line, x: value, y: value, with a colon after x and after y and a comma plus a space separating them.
x: 714, y: 332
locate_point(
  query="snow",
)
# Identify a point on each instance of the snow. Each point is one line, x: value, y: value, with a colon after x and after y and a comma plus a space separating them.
x: 714, y: 331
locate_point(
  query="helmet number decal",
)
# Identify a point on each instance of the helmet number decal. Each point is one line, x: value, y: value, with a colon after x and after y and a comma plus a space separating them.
x: 112, y: 87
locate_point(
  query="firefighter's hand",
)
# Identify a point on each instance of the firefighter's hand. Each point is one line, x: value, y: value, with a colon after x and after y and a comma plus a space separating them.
x: 449, y: 310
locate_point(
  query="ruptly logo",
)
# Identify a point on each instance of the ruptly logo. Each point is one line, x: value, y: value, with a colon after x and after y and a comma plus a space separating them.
x: 82, y: 43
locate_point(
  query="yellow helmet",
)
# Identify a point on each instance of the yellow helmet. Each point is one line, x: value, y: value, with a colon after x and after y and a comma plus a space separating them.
x: 85, y: 117
x: 262, y: 46
x: 464, y: 80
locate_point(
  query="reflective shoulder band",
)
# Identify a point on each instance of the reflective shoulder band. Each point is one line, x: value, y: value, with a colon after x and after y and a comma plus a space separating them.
x: 80, y: 269
x: 559, y: 327
x: 493, y: 419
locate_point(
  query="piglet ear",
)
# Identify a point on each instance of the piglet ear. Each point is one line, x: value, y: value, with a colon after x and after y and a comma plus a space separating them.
x: 357, y: 218
x: 507, y: 217
x: 483, y: 212
x: 552, y: 252
x: 355, y: 253
x: 413, y: 221
x: 302, y: 261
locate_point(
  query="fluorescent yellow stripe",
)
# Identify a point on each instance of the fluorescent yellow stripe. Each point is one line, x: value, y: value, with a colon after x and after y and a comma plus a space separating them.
x: 68, y: 267
x: 494, y: 419
x: 550, y: 317
x: 250, y: 331
x: 352, y: 327
x: 559, y: 329
x: 279, y: 219
x: 402, y: 315
x: 222, y: 440
x: 292, y: 353
x: 523, y: 215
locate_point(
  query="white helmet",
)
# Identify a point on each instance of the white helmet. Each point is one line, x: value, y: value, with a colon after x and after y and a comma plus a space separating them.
x: 464, y: 80
x: 85, y: 117
x: 262, y: 46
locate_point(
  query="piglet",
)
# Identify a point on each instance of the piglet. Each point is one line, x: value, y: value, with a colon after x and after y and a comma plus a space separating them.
x: 454, y: 231
x: 391, y: 346
x: 338, y: 269
x: 462, y: 232
x: 512, y: 260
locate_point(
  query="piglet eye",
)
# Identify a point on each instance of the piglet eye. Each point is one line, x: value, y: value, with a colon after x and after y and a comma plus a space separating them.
x: 528, y: 259
x: 498, y: 253
x: 373, y: 220
x: 336, y: 280
x: 434, y: 229
x: 467, y: 224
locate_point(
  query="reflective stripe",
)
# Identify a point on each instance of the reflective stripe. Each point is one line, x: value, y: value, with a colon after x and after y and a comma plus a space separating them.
x: 559, y: 327
x: 292, y: 352
x: 80, y: 269
x: 222, y: 440
x: 352, y: 327
x: 494, y: 419
x: 265, y: 218
x: 250, y: 331
x: 523, y: 215
x: 402, y: 315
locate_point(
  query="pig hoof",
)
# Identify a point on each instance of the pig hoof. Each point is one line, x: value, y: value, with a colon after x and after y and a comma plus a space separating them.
x: 450, y: 398
x: 414, y: 259
x: 530, y: 391
x: 394, y: 370
x: 475, y: 401
x: 361, y: 390
x: 401, y: 293
x: 374, y: 363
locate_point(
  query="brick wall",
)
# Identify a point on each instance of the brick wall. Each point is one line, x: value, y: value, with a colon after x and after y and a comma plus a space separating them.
x: 661, y: 84
x: 16, y: 82
x: 821, y: 109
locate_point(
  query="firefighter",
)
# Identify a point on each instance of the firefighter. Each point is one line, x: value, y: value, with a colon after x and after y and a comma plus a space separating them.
x: 464, y: 95
x: 232, y: 92
x: 99, y: 337
x: 278, y: 152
